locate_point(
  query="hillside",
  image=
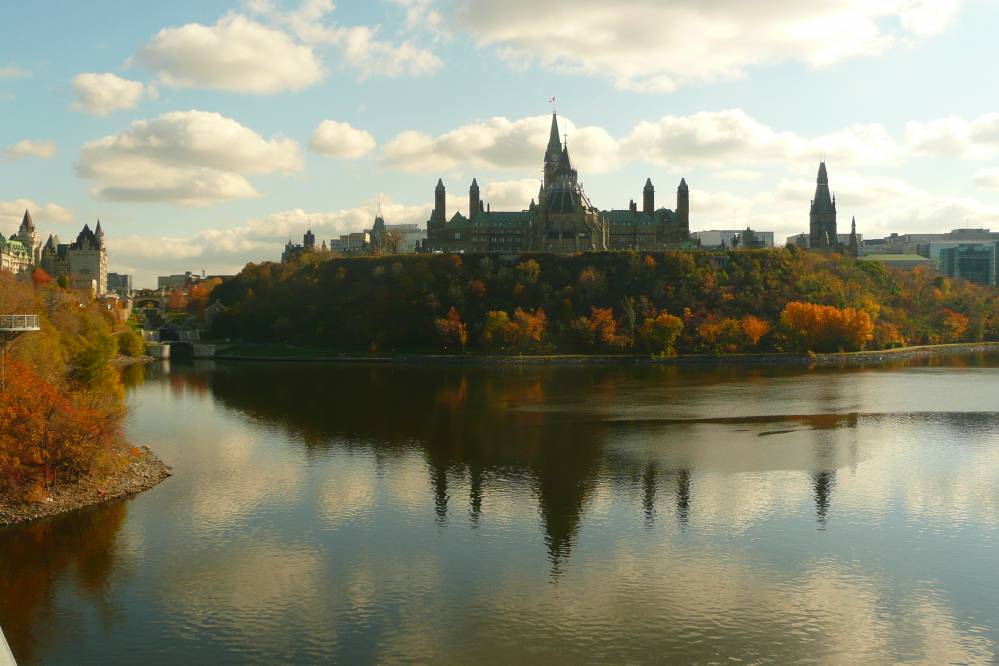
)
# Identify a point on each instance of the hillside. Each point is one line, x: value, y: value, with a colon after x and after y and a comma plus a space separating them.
x: 664, y: 302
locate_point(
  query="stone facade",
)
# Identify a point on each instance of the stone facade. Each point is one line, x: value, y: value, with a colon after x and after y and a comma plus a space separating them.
x: 84, y: 262
x: 562, y: 219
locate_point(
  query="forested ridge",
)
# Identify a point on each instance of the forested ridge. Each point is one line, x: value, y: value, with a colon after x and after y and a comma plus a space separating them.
x: 779, y: 300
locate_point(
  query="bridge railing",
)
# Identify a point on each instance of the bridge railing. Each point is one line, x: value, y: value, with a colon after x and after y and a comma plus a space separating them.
x: 19, y: 323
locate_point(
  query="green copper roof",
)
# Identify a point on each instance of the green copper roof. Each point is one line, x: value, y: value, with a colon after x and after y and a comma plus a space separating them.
x: 628, y: 218
x: 502, y: 219
x: 13, y: 247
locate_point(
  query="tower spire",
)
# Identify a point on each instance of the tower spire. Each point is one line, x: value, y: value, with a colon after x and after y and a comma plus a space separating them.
x: 554, y: 144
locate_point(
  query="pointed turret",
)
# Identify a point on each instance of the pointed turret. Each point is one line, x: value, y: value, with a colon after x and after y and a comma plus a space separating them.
x: 648, y: 198
x: 27, y: 224
x: 554, y: 140
x: 474, y: 203
x: 854, y: 247
x: 683, y: 210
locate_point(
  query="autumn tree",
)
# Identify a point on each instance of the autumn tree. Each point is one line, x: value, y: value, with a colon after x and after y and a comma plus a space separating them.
x: 825, y: 328
x: 659, y: 332
x: 452, y: 331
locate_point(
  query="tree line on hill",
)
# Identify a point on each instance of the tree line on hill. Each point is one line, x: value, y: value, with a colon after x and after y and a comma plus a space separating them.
x: 61, y: 401
x: 778, y: 300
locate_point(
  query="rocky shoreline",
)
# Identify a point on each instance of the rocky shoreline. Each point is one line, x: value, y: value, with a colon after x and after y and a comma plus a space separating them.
x: 143, y: 472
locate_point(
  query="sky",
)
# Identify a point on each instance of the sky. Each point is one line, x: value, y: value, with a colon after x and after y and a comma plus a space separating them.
x: 205, y: 133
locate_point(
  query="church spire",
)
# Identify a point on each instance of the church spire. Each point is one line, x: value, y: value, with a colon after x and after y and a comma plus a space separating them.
x: 554, y: 143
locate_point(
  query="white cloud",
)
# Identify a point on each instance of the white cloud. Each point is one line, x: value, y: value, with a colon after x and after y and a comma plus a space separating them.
x: 11, y: 213
x: 954, y: 137
x: 721, y: 138
x: 360, y: 48
x: 184, y: 157
x: 882, y: 205
x: 655, y: 46
x: 103, y: 94
x: 236, y: 54
x: 228, y: 250
x: 511, y: 194
x: 499, y: 143
x: 987, y: 179
x: 341, y: 140
x: 29, y: 148
x: 12, y: 72
x: 374, y: 57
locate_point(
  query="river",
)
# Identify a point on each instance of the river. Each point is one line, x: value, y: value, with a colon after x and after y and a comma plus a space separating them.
x: 532, y: 515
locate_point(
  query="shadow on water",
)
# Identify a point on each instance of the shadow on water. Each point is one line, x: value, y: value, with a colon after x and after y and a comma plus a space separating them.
x: 83, y: 545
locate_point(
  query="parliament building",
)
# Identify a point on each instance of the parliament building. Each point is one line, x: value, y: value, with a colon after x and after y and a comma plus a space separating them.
x: 561, y: 220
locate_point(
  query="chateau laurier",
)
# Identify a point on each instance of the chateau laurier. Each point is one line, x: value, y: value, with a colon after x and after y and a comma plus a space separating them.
x: 83, y: 263
x: 561, y: 220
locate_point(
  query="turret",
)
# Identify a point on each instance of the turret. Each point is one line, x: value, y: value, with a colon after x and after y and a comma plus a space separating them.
x: 26, y: 234
x: 27, y: 224
x: 854, y: 247
x: 99, y: 234
x: 822, y: 216
x: 553, y: 154
x: 683, y: 210
x: 440, y: 200
x: 649, y: 198
x: 474, y: 204
x: 309, y: 240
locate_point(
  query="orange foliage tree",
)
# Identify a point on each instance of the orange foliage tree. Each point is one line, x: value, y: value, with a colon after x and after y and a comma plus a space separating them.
x: 825, y: 328
x: 452, y: 331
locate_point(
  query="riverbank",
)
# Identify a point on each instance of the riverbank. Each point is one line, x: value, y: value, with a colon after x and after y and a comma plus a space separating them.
x: 141, y: 473
x: 245, y: 352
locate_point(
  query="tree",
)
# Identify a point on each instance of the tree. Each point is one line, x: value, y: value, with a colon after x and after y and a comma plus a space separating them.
x: 824, y: 328
x: 452, y: 330
x: 754, y: 328
x: 659, y: 333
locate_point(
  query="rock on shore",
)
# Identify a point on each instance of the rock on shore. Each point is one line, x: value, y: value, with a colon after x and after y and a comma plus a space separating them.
x: 143, y: 472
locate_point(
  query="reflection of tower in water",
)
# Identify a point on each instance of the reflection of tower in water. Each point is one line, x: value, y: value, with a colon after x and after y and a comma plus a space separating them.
x: 822, y: 485
x: 683, y: 496
x: 649, y: 494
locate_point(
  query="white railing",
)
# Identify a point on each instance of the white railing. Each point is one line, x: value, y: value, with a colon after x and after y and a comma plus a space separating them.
x: 19, y: 322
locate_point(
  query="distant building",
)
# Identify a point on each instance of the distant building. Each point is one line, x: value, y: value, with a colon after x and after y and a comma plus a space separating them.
x: 562, y: 219
x: 804, y: 241
x: 718, y: 238
x: 357, y: 242
x: 410, y: 236
x: 904, y: 261
x: 120, y: 284
x: 292, y: 251
x: 180, y: 281
x: 928, y: 245
x: 83, y: 263
x: 972, y: 262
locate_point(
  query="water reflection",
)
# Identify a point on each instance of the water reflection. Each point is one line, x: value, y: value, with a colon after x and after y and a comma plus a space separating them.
x: 83, y: 547
x: 361, y: 514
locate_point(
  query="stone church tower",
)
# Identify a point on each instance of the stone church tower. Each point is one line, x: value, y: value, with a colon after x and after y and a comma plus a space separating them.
x: 822, y: 217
